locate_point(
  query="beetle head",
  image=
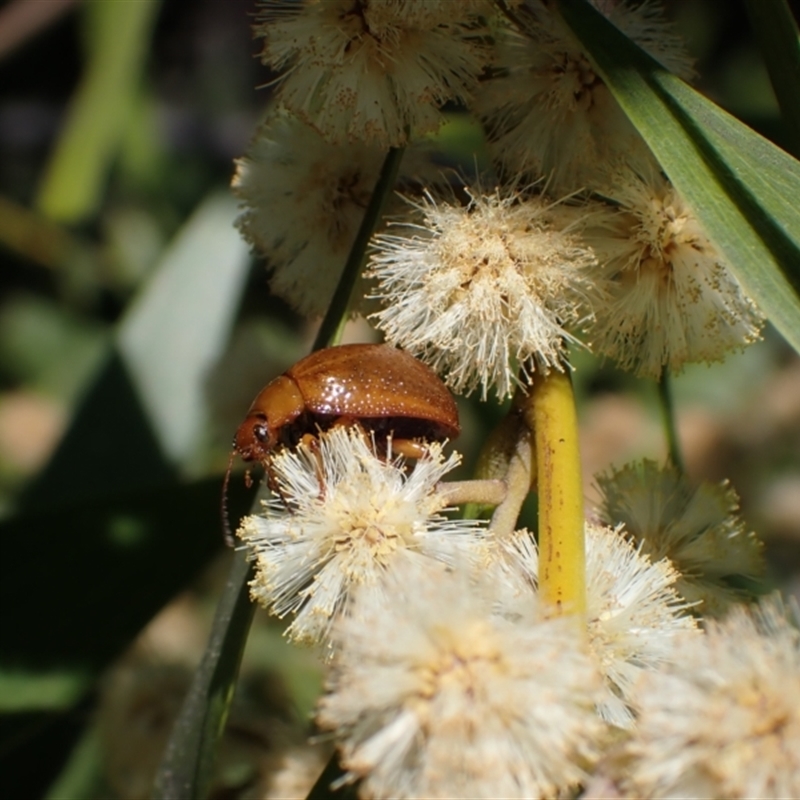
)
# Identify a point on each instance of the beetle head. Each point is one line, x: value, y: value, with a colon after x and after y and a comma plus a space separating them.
x: 255, y: 437
x: 277, y: 405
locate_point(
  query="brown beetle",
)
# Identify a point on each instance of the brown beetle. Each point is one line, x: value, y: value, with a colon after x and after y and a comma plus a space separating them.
x: 376, y: 386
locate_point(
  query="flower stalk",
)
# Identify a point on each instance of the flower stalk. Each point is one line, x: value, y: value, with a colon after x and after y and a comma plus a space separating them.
x: 487, y: 491
x: 667, y: 405
x: 495, y: 459
x: 550, y: 412
x: 521, y: 471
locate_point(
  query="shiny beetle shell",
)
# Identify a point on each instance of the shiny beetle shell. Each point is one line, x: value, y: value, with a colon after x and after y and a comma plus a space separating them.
x: 376, y: 385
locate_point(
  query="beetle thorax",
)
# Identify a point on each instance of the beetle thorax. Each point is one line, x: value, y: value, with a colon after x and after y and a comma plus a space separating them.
x: 278, y: 405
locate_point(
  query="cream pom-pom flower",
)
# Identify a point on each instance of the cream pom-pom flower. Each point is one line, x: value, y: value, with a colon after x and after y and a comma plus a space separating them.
x: 672, y: 299
x: 634, y: 613
x: 303, y: 201
x: 346, y: 517
x: 551, y: 114
x: 695, y: 526
x: 483, y: 293
x: 723, y: 719
x: 373, y: 70
x: 433, y: 693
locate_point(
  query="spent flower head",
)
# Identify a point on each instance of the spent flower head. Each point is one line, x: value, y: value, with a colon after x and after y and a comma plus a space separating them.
x: 672, y: 298
x: 435, y: 694
x: 373, y: 70
x: 302, y: 203
x: 695, y: 526
x: 482, y: 291
x: 551, y: 114
x: 634, y: 614
x: 346, y: 518
x: 723, y: 720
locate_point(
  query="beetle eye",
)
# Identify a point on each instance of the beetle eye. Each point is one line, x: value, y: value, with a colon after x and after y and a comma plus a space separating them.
x: 261, y: 432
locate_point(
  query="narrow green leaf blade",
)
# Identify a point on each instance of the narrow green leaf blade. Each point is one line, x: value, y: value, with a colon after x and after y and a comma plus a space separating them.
x: 741, y: 186
x: 118, y: 38
x: 52, y: 690
x: 185, y: 772
x: 178, y: 328
x: 779, y: 43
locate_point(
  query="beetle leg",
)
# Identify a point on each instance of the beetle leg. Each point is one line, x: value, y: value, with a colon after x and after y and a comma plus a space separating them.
x: 404, y: 447
x: 409, y: 448
x: 311, y: 443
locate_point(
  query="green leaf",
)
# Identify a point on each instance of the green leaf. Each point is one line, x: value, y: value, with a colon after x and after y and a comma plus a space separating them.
x: 109, y: 447
x: 147, y: 406
x: 118, y: 36
x: 82, y: 580
x: 77, y: 585
x: 741, y: 186
x: 779, y: 43
x: 82, y: 774
x: 106, y: 536
x: 178, y: 329
x: 185, y: 771
x: 60, y: 689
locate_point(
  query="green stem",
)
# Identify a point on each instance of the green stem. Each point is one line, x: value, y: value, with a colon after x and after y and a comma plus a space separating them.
x: 185, y: 771
x: 668, y: 415
x: 331, y: 328
x: 186, y: 768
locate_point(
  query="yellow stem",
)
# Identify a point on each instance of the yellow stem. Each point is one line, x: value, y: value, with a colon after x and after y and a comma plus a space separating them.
x: 550, y: 412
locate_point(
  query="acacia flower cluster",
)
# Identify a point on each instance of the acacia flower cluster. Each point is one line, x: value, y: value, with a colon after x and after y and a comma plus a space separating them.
x: 489, y: 291
x: 482, y: 293
x: 671, y: 299
x: 634, y: 613
x: 724, y: 719
x: 438, y: 694
x: 373, y: 70
x: 303, y: 201
x: 695, y: 527
x: 549, y: 112
x: 345, y: 518
x: 449, y: 672
x: 446, y: 675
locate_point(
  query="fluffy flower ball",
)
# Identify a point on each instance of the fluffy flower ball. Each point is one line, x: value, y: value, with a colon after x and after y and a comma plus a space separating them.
x: 432, y: 694
x: 302, y: 203
x: 723, y: 720
x: 551, y: 114
x: 696, y: 526
x: 633, y: 612
x: 483, y: 291
x: 373, y: 70
x: 672, y: 299
x: 352, y: 517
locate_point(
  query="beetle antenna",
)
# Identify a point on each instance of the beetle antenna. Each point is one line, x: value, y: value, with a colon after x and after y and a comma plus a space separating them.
x: 226, y: 523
